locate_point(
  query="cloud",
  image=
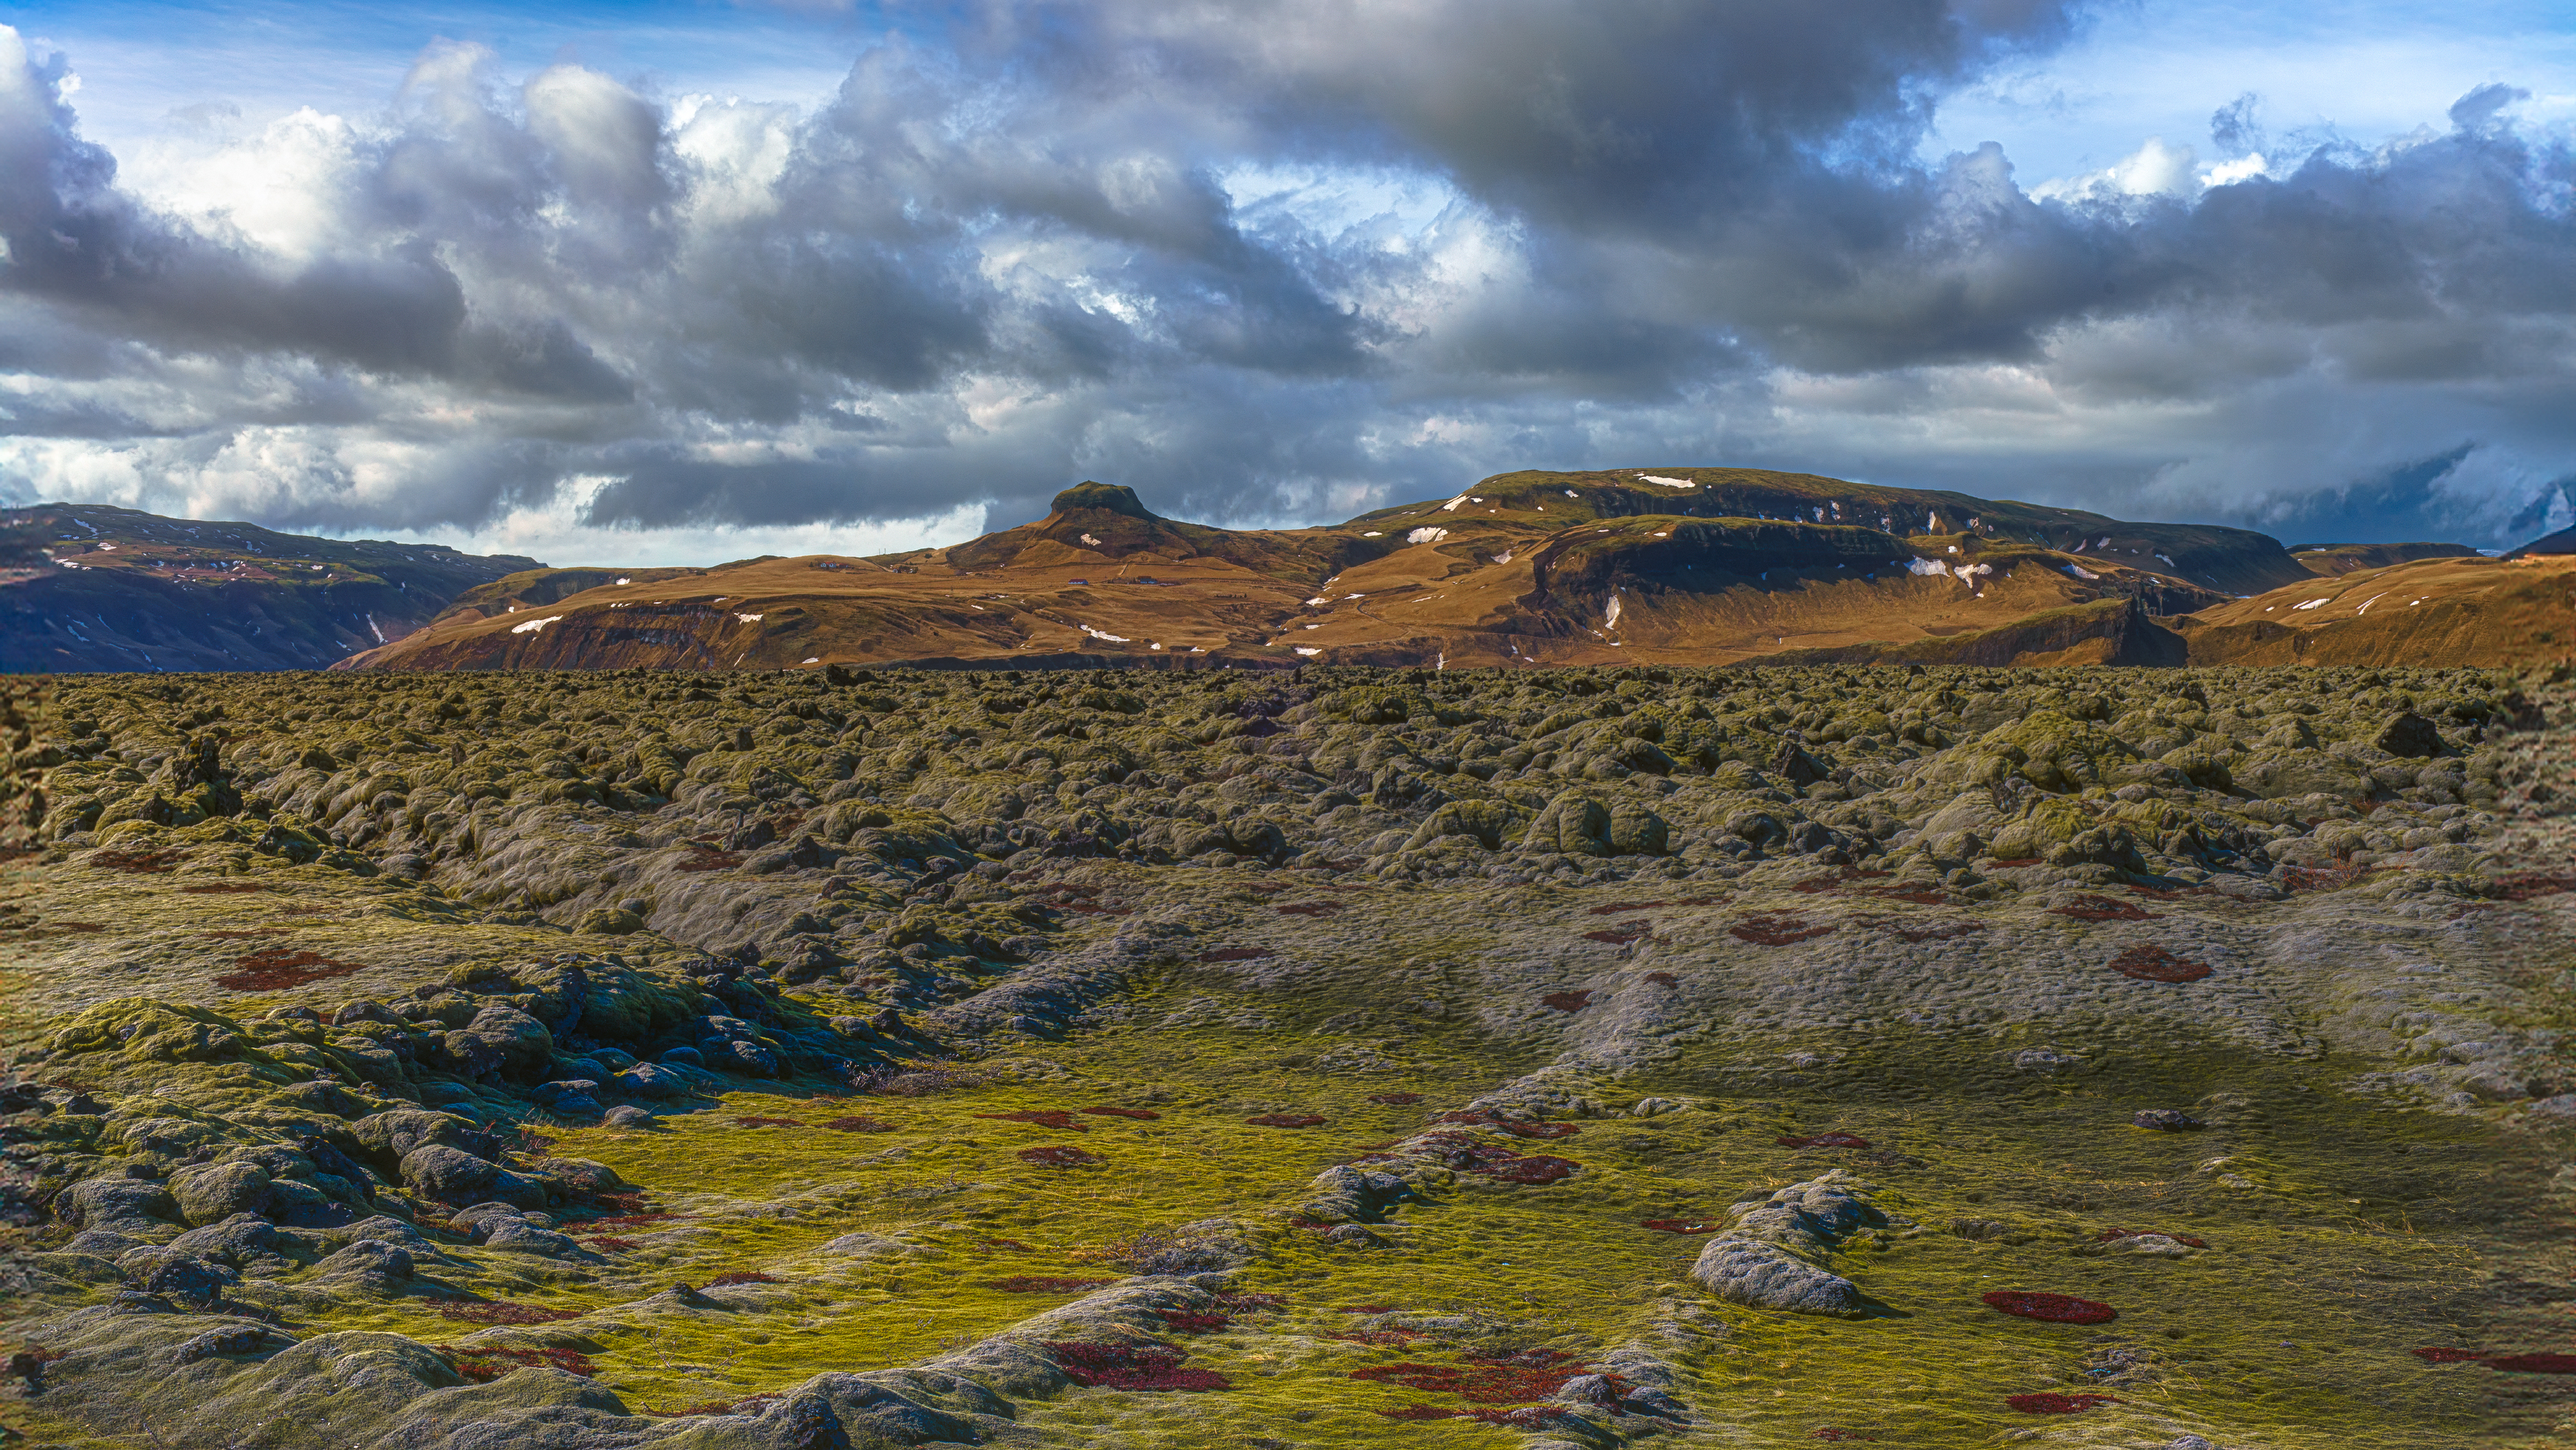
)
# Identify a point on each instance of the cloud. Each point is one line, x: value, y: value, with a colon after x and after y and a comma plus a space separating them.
x: 1267, y: 263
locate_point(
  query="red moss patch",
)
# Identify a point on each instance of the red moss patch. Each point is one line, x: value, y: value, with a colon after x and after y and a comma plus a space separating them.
x: 1538, y: 1130
x: 275, y: 969
x: 223, y: 888
x: 1142, y: 1115
x: 703, y: 857
x: 1568, y: 1002
x: 2050, y: 1402
x: 1194, y: 1321
x: 1776, y: 929
x: 501, y: 1311
x: 2534, y: 1363
x: 2155, y: 964
x: 1537, y: 1168
x: 2054, y: 1308
x: 1534, y: 1375
x: 1663, y: 979
x: 1286, y: 1120
x: 2111, y: 1235
x: 1381, y: 1338
x: 136, y: 863
x: 858, y: 1125
x: 1682, y: 1225
x: 2439, y: 1355
x: 1057, y: 1158
x: 486, y: 1365
x: 1825, y: 1140
x: 758, y: 1122
x: 2102, y: 908
x: 1056, y: 1118
x: 2525, y: 885
x: 1310, y: 908
x: 611, y: 1244
x: 1130, y: 1367
x: 1619, y: 936
x: 1237, y: 954
x: 1040, y: 1284
x: 1396, y: 1100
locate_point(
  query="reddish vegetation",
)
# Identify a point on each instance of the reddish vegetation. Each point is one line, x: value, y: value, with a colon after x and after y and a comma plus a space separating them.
x: 275, y: 969
x: 1368, y: 1309
x: 1310, y: 908
x: 1569, y: 1002
x: 1194, y: 1321
x: 2155, y: 964
x: 1286, y: 1120
x: 757, y: 1122
x: 611, y: 1244
x: 858, y: 1125
x: 1825, y: 1140
x: 1539, y: 1130
x: 1039, y: 1284
x: 1057, y: 1157
x: 1663, y: 979
x: 1775, y: 929
x: 2534, y: 1363
x: 1396, y: 1100
x: 2049, y: 1402
x: 1056, y: 1118
x: 501, y: 1311
x: 135, y: 863
x: 2055, y: 1308
x: 1537, y: 1168
x: 223, y: 888
x: 2524, y: 885
x: 1142, y: 1115
x: 2103, y: 908
x: 2321, y: 878
x: 1619, y: 936
x: 1836, y: 1432
x: 486, y: 1365
x: 2440, y: 1355
x: 1131, y: 1367
x: 1534, y: 1375
x: 2109, y: 1235
x: 1682, y: 1225
x: 1237, y: 954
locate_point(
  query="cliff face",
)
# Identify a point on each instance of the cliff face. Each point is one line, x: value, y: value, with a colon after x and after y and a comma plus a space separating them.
x: 88, y: 587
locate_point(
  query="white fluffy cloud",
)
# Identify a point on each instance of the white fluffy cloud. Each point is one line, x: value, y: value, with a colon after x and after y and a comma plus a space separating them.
x: 1263, y: 275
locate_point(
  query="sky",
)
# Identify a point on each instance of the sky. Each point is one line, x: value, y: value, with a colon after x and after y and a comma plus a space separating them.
x: 681, y: 282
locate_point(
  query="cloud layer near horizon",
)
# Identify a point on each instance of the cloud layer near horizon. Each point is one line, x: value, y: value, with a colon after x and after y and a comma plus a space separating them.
x: 1276, y: 263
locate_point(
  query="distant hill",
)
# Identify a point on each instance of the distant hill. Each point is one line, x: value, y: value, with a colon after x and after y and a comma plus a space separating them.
x: 87, y: 587
x: 1669, y: 564
x: 2334, y: 559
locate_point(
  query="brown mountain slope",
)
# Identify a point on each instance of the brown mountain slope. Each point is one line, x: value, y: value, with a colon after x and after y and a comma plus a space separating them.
x: 2431, y: 612
x: 2334, y: 559
x: 1684, y: 566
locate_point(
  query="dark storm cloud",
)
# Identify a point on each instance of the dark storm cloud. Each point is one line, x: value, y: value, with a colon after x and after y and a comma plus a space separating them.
x: 1007, y: 255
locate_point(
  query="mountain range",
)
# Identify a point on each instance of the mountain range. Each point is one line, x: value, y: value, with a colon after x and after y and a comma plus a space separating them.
x: 1663, y: 565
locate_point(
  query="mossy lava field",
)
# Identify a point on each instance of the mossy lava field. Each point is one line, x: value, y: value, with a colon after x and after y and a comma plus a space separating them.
x: 1345, y: 1057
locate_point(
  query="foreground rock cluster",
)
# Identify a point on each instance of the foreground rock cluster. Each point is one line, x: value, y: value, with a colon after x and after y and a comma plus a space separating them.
x: 850, y: 1057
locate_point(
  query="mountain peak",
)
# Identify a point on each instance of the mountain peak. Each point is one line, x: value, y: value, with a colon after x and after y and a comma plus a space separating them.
x: 1114, y: 498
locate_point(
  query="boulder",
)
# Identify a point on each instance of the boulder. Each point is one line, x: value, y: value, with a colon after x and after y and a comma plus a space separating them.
x: 214, y: 1192
x: 118, y: 1205
x: 500, y: 1039
x: 2408, y: 736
